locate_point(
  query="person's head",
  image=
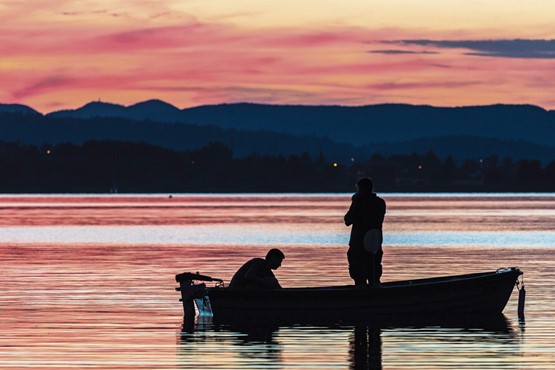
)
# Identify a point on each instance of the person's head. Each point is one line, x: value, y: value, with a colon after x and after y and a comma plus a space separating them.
x: 274, y: 258
x: 365, y: 184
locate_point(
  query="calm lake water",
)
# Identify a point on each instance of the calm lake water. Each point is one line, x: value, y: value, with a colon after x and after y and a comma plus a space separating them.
x: 88, y: 281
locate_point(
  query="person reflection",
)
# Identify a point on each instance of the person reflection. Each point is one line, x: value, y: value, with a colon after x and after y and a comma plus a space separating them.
x: 365, y: 347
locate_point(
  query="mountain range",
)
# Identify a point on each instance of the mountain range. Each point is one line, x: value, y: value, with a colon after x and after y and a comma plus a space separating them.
x: 338, y: 132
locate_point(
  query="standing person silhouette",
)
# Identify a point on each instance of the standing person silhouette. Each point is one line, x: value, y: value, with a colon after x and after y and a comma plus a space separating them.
x: 366, y: 214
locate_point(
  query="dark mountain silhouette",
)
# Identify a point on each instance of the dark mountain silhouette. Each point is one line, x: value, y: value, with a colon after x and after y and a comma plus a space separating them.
x: 17, y: 108
x: 354, y: 125
x: 38, y: 130
x: 154, y: 110
x: 340, y: 133
x: 93, y: 110
x: 387, y: 122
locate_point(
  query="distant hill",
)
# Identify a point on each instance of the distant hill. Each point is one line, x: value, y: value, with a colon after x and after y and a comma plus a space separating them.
x: 387, y: 122
x: 154, y: 110
x: 354, y: 125
x: 38, y: 130
x: 93, y: 110
x: 517, y: 131
x: 17, y: 108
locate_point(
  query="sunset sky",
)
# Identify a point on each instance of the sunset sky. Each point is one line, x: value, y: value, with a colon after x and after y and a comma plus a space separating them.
x: 57, y: 54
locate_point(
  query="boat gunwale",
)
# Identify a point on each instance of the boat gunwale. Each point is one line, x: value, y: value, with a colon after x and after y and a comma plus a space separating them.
x: 388, y: 285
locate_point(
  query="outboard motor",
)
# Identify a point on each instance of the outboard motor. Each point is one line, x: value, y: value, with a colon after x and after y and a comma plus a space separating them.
x: 193, y: 293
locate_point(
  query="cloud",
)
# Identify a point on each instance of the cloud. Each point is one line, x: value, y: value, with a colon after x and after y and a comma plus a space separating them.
x: 221, y: 93
x: 45, y: 84
x: 76, y: 13
x: 506, y: 48
x: 203, y: 35
x: 394, y: 52
x: 79, y: 53
x: 422, y: 85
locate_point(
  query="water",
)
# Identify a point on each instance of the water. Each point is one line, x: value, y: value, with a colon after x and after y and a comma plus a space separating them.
x: 88, y: 281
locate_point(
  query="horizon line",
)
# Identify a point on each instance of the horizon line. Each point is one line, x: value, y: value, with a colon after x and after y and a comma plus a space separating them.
x: 282, y: 105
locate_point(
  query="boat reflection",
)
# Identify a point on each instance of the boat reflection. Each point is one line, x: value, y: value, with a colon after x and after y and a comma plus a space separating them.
x: 265, y: 340
x: 212, y: 345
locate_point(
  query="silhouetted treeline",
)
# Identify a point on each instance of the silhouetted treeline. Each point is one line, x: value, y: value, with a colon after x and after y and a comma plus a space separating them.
x: 104, y: 166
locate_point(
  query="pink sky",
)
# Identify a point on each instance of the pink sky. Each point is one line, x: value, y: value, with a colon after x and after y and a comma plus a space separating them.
x: 57, y: 54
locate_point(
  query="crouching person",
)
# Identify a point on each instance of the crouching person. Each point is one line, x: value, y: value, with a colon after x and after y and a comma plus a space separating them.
x: 257, y: 273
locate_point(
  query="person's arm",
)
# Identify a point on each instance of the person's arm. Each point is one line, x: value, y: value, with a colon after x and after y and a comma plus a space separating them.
x: 351, y: 215
x: 271, y: 282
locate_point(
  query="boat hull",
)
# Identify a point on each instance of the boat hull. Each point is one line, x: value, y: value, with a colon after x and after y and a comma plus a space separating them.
x: 445, y: 297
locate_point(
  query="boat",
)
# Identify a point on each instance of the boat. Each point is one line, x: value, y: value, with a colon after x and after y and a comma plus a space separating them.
x: 458, y: 296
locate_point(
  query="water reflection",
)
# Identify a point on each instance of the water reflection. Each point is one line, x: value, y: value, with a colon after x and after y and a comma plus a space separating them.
x: 264, y: 342
x: 242, y: 343
x: 108, y: 302
x: 365, y: 347
x: 456, y: 220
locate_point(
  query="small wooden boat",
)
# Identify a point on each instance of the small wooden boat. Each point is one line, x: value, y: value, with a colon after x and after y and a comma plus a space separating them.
x: 485, y: 293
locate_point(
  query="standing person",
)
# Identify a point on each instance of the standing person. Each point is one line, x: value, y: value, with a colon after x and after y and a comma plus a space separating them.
x: 257, y: 273
x: 365, y: 253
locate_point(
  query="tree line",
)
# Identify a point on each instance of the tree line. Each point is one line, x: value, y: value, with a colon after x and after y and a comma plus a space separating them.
x: 126, y: 167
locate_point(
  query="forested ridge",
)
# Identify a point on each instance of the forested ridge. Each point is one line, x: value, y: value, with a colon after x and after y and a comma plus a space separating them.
x: 126, y: 167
